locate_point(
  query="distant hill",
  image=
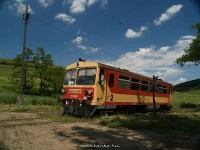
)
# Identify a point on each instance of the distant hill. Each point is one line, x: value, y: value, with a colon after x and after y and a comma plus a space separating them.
x: 4, y: 61
x: 188, y: 86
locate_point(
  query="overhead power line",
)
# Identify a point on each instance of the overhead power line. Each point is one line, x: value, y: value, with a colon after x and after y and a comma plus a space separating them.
x: 71, y: 35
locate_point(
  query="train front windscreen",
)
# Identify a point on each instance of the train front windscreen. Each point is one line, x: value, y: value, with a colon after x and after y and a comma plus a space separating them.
x: 82, y: 76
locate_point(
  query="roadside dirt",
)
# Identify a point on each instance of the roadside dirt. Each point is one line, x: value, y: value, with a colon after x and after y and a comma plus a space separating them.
x: 27, y: 131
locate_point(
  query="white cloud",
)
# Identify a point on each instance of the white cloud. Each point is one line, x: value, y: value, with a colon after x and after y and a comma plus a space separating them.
x: 65, y: 18
x: 103, y: 3
x: 81, y: 43
x: 164, y: 49
x: 46, y: 3
x: 133, y: 34
x: 168, y: 14
x: 151, y: 61
x: 20, y: 7
x: 90, y: 2
x: 180, y: 80
x: 78, y: 40
x: 79, y: 6
x: 93, y: 49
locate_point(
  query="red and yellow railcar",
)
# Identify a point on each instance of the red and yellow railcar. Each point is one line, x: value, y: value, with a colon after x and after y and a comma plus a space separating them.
x: 91, y: 87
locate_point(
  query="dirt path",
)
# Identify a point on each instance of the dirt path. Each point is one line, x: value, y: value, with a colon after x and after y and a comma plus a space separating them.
x: 26, y: 131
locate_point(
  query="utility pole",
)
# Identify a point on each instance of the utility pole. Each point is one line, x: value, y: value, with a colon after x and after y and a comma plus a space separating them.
x: 153, y: 90
x: 26, y: 18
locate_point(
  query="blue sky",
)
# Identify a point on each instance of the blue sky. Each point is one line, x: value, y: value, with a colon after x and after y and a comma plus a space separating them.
x: 143, y: 36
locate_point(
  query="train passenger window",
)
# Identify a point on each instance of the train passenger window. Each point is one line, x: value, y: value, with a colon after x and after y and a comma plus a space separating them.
x: 159, y: 89
x: 164, y: 89
x: 144, y: 86
x: 123, y: 82
x: 111, y: 80
x: 135, y: 84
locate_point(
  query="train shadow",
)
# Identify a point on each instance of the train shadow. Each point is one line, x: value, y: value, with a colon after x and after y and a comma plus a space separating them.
x: 163, y: 132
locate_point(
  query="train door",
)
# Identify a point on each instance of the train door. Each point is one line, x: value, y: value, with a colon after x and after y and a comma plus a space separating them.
x: 102, y: 88
x: 111, y: 75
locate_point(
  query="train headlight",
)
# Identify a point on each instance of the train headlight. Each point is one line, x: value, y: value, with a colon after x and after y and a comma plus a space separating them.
x: 88, y: 95
x: 86, y: 92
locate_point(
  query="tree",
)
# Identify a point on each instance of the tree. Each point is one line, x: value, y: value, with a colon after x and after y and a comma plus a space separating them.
x: 39, y: 73
x: 55, y: 79
x: 192, y: 53
x: 16, y: 75
x: 42, y: 62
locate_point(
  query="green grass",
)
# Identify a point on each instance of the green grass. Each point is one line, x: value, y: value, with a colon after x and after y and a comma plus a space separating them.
x: 5, y: 61
x: 44, y: 111
x: 189, y: 99
x: 9, y: 97
x: 178, y: 123
x: 3, y: 146
x: 5, y: 71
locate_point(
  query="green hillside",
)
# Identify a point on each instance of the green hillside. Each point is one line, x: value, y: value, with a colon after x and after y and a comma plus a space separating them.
x: 188, y: 86
x: 187, y: 94
x: 4, y: 61
x: 5, y: 68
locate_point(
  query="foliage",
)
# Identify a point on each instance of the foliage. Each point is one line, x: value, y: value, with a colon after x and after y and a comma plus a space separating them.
x: 41, y: 77
x: 16, y: 75
x: 55, y: 79
x: 42, y: 62
x: 192, y: 53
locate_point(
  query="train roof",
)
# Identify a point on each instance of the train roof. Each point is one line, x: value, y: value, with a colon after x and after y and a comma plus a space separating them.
x: 92, y: 64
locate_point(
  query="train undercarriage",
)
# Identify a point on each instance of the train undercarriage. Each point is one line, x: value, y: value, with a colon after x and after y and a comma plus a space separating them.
x: 82, y: 109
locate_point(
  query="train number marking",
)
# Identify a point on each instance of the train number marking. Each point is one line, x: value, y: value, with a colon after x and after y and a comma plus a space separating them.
x: 111, y: 97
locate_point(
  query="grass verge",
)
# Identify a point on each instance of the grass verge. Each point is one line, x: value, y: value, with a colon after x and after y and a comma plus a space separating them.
x: 43, y: 111
x: 179, y: 123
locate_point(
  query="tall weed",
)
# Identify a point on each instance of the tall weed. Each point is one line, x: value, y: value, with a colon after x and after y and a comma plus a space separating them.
x: 7, y: 96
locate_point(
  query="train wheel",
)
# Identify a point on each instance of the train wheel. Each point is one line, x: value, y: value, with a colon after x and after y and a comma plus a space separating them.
x: 65, y: 109
x: 88, y: 111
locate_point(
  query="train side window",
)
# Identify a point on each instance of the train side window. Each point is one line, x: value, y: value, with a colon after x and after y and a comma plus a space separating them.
x: 111, y: 80
x: 144, y: 86
x: 159, y: 89
x: 101, y: 77
x: 135, y: 84
x: 123, y: 82
x: 150, y: 87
